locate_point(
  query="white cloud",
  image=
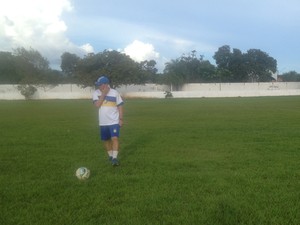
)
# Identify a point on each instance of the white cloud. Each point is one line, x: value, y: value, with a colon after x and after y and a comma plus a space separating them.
x: 37, y: 24
x: 88, y: 48
x: 140, y: 51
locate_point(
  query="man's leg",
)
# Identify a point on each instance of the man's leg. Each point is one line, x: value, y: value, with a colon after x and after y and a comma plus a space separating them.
x: 109, y: 148
x: 115, y: 148
x: 105, y: 137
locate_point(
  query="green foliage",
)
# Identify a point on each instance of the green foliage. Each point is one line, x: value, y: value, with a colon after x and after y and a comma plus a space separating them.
x: 120, y: 69
x: 69, y: 63
x: 186, y: 161
x: 260, y: 65
x: 27, y: 90
x: 27, y: 67
x: 253, y: 66
x: 168, y: 94
x: 188, y: 69
x: 8, y: 73
x: 291, y: 76
x: 30, y: 67
x: 32, y: 57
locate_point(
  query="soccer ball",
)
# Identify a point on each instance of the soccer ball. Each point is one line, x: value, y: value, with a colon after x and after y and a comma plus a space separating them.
x: 82, y: 173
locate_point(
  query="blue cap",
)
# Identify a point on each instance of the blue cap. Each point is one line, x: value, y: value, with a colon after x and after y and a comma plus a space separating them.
x: 102, y: 80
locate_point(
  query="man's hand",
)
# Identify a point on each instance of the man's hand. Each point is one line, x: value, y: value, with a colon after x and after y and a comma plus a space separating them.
x: 104, y: 91
x: 121, y: 122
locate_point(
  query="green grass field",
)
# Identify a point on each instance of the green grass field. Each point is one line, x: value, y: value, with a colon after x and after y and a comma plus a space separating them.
x: 203, y: 161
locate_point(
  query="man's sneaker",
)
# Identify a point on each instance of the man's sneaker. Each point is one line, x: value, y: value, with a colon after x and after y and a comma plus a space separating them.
x: 110, y: 158
x: 115, y: 162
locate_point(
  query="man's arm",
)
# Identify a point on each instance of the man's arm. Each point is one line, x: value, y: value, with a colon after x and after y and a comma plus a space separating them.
x: 120, y: 108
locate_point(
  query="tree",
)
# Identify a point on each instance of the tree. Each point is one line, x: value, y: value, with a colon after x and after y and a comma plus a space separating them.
x: 255, y: 65
x: 120, y: 68
x: 173, y: 75
x: 188, y: 69
x: 148, y: 67
x: 206, y: 72
x: 291, y: 76
x: 34, y: 69
x: 8, y: 73
x: 230, y: 65
x: 31, y: 66
x: 69, y: 63
x: 237, y: 66
x: 222, y: 57
x: 260, y: 66
x: 32, y: 57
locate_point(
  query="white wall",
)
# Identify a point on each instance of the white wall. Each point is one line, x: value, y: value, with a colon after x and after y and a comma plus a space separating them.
x: 221, y: 90
x: 65, y: 91
x: 71, y: 91
x: 241, y: 86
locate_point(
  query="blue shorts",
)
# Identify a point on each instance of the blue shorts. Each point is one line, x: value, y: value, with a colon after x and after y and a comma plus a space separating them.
x: 107, y: 132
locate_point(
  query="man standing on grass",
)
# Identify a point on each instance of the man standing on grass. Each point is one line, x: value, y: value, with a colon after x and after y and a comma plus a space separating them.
x: 110, y: 106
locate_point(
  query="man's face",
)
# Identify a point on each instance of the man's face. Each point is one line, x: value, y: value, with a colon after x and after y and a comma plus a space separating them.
x: 102, y: 87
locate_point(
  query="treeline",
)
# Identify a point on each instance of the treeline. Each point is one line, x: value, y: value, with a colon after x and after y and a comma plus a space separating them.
x: 28, y: 67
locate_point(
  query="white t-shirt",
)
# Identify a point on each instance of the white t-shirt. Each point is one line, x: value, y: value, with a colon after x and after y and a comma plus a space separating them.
x: 108, y: 112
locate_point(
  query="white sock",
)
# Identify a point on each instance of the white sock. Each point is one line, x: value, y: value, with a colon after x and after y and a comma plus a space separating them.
x: 115, y: 154
x: 110, y: 153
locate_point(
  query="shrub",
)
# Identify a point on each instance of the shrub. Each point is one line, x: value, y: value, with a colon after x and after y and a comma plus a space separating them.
x: 168, y: 94
x: 27, y: 90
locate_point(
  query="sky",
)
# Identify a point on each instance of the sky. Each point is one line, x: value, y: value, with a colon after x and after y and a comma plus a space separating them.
x: 162, y: 30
